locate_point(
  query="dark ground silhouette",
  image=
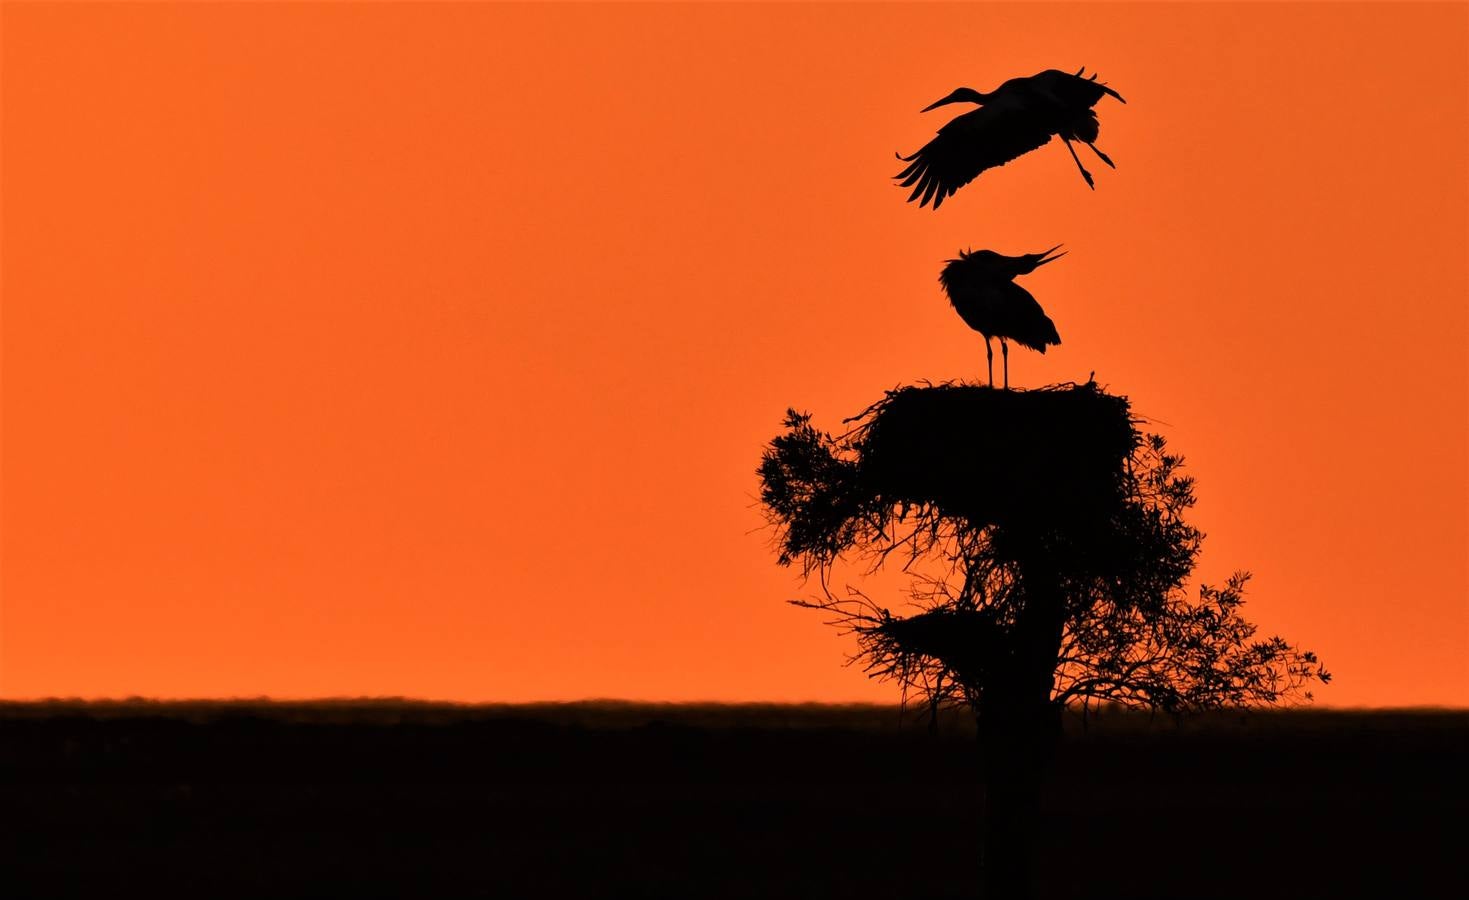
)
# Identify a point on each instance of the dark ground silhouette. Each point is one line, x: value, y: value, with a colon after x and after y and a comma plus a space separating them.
x: 677, y: 801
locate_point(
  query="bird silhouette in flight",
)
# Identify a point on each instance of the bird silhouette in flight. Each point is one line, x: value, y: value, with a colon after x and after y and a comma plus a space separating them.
x: 1019, y: 116
x: 981, y: 286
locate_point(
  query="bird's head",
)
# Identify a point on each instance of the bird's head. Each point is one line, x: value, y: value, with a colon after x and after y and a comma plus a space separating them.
x: 961, y: 95
x: 1029, y: 262
x: 989, y: 264
x: 983, y: 265
x: 980, y: 257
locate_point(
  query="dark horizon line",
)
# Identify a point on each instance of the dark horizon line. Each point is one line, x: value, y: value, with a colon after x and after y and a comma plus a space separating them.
x: 382, y: 700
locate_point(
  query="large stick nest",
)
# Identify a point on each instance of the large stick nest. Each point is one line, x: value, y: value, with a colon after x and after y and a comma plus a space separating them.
x: 1009, y: 458
x: 1043, y: 461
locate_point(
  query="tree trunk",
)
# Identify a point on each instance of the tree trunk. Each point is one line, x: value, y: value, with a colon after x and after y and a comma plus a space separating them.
x: 1019, y: 728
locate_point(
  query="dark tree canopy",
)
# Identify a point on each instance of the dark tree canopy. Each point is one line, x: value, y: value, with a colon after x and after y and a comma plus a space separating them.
x: 1003, y: 505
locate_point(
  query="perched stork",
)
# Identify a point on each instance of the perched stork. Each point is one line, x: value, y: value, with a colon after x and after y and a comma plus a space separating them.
x: 982, y: 289
x: 1019, y: 116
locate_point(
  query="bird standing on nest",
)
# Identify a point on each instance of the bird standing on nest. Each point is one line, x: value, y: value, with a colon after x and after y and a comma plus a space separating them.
x: 981, y: 286
x: 1019, y: 116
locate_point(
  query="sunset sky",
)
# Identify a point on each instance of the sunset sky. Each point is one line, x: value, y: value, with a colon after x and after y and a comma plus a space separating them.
x: 430, y: 349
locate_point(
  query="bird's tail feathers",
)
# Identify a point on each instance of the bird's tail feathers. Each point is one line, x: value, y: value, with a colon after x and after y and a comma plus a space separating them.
x: 1103, y: 85
x: 1045, y: 336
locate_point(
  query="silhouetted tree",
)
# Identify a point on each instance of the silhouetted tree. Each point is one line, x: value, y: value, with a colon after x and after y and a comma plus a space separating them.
x: 1049, y: 555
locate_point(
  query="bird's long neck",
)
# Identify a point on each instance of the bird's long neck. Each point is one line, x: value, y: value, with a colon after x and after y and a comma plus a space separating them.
x: 959, y: 95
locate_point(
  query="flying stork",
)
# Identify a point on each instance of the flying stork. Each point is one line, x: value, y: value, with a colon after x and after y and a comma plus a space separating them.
x: 1019, y: 116
x: 981, y: 288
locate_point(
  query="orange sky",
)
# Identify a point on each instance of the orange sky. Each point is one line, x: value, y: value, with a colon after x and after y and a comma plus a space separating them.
x: 430, y: 349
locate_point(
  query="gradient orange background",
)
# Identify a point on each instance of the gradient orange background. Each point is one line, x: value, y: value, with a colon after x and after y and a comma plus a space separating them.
x: 430, y: 349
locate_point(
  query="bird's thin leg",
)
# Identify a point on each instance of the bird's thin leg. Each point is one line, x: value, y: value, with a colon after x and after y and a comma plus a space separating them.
x: 989, y: 350
x: 1005, y: 351
x: 1102, y: 156
x: 1084, y: 173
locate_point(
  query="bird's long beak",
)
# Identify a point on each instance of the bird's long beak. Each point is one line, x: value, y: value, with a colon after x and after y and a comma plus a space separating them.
x: 1112, y: 92
x: 961, y: 95
x: 1047, y: 257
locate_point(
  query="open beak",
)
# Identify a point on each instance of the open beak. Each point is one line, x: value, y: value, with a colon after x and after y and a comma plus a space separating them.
x: 1045, y: 256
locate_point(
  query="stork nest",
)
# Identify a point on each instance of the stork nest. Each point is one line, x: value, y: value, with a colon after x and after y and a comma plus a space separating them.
x: 1040, y: 460
x: 998, y: 456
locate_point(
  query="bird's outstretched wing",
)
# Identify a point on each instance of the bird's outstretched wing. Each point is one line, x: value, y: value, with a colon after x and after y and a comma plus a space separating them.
x: 982, y: 139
